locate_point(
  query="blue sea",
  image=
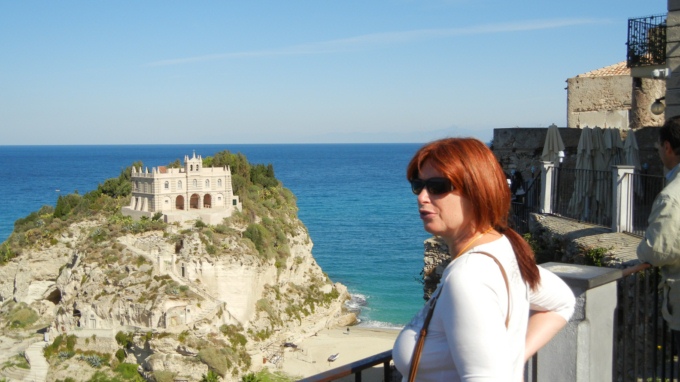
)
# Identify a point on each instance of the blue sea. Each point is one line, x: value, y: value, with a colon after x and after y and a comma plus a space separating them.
x: 353, y: 198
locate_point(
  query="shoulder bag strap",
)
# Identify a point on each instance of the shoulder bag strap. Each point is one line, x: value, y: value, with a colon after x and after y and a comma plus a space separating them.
x: 417, y: 351
x: 507, y: 284
x: 415, y: 357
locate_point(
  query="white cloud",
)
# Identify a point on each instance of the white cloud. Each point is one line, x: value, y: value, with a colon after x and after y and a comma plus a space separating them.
x: 379, y: 39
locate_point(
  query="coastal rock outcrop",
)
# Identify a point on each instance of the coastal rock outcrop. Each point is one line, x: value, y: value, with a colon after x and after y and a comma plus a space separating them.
x: 182, y: 293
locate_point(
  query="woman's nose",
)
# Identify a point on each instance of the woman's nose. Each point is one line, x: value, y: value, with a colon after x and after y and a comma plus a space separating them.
x: 423, y: 196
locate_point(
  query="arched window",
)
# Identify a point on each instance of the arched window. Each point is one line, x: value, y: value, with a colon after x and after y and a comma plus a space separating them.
x: 207, y: 183
x: 167, y: 185
x: 195, y: 183
x: 179, y: 184
x: 191, y: 168
x: 219, y: 182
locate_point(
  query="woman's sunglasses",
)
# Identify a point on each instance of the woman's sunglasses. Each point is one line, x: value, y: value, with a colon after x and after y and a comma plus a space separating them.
x: 435, y: 186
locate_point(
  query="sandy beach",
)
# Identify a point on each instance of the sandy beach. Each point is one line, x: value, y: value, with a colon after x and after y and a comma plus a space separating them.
x: 311, y: 356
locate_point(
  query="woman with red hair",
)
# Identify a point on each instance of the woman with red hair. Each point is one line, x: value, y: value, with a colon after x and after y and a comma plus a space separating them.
x: 477, y: 323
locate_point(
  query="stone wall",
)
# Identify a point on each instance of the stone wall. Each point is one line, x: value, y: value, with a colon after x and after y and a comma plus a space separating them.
x: 645, y: 92
x: 521, y: 148
x: 613, y: 101
x: 673, y: 59
x: 599, y: 101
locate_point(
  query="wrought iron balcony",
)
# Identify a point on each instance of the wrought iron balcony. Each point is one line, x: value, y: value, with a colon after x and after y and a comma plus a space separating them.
x: 647, y: 41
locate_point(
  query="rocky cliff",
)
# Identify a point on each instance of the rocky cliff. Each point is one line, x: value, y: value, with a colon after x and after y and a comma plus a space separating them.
x: 186, y: 298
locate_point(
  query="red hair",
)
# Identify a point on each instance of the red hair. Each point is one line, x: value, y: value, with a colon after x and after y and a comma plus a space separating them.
x: 474, y: 170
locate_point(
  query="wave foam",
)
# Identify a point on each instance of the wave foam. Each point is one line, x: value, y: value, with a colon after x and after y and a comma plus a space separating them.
x: 356, y: 303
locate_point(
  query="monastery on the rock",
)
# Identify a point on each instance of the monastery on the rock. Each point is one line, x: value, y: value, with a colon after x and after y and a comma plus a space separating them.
x: 187, y: 193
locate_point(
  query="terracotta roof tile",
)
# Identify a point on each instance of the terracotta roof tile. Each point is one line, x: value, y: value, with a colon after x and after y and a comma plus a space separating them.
x: 619, y: 69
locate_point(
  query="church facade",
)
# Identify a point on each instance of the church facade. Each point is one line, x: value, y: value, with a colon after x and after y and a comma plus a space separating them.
x: 187, y: 193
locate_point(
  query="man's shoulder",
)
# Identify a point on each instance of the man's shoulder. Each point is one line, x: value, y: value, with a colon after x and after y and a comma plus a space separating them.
x: 672, y: 189
x: 675, y: 179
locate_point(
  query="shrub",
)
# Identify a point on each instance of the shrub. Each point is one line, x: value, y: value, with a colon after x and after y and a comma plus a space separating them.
x: 6, y: 253
x: 260, y: 236
x: 22, y: 316
x: 216, y: 359
x: 71, y: 342
x: 183, y: 336
x: 595, y: 256
x: 164, y: 376
x: 120, y: 355
x: 128, y: 371
x: 66, y: 354
x: 124, y: 339
x: 234, y: 334
x: 52, y: 349
x: 211, y: 376
x: 93, y: 360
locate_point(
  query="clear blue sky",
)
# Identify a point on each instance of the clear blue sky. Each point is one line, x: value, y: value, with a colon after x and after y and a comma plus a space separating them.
x: 122, y: 72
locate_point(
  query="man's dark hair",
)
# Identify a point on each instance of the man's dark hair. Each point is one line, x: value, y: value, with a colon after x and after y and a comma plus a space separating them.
x: 670, y: 131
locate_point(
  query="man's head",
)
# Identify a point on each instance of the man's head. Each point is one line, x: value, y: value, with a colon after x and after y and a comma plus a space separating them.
x: 669, y: 142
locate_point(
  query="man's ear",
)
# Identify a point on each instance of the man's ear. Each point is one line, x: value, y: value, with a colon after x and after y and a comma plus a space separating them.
x: 667, y: 147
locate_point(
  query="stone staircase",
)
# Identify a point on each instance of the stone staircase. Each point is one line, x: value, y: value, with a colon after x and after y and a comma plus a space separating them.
x: 34, y: 355
x: 209, y: 312
x: 39, y: 365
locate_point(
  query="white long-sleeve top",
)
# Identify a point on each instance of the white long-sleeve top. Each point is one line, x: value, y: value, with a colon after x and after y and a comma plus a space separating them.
x: 467, y: 339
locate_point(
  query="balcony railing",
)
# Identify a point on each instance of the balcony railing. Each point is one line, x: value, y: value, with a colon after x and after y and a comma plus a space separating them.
x: 356, y: 368
x: 643, y: 344
x: 644, y: 190
x: 525, y: 204
x: 583, y: 195
x: 620, y: 198
x: 647, y: 41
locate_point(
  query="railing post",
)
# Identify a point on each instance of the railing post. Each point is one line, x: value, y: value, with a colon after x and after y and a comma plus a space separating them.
x: 622, y: 190
x: 547, y: 173
x: 583, y: 351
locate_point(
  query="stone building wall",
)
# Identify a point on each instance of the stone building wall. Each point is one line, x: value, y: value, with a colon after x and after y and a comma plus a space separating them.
x: 645, y: 92
x: 599, y: 101
x: 673, y: 59
x: 610, y: 97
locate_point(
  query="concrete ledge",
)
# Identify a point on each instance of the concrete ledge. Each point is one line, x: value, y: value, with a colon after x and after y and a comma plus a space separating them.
x: 583, y: 277
x: 575, y: 238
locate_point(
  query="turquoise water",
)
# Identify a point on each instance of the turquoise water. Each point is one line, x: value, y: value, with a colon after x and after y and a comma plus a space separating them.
x: 353, y: 198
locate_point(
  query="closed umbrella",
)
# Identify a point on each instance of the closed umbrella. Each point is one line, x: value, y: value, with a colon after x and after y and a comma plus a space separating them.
x: 553, y: 145
x: 613, y: 147
x: 631, y: 151
x: 618, y: 146
x: 601, y: 166
x: 632, y: 158
x: 578, y: 204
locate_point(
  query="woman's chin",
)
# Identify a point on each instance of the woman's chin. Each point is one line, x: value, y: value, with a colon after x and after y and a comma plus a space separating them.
x: 432, y: 230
